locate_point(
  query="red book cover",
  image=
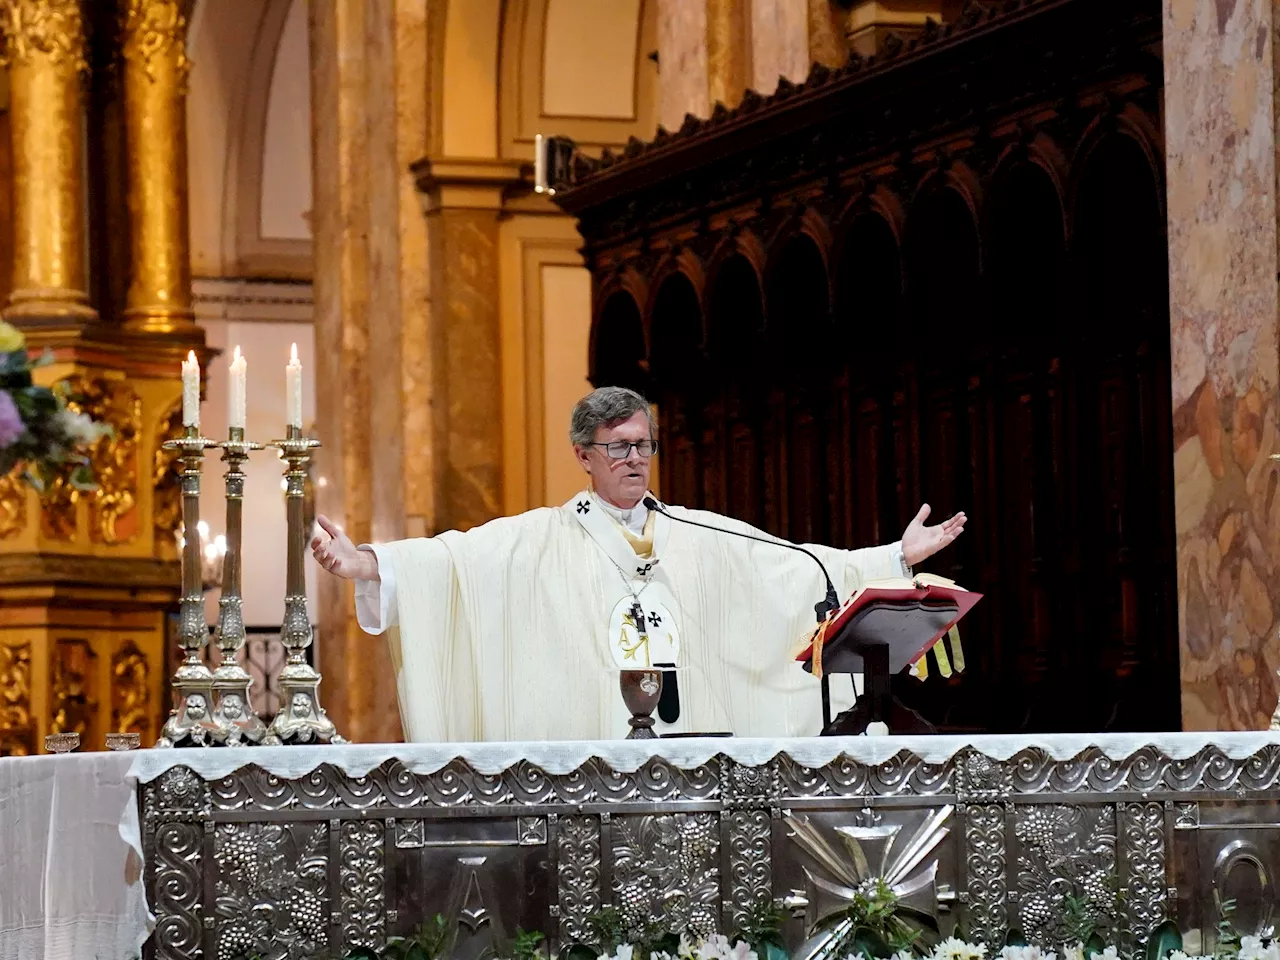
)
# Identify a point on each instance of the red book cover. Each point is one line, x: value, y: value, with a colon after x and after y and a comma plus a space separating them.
x: 910, y: 616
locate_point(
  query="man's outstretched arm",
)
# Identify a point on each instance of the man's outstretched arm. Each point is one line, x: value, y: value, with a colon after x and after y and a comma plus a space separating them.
x: 337, y: 554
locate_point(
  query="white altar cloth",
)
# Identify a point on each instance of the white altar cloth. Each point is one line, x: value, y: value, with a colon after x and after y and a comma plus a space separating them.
x: 627, y: 756
x: 70, y: 859
x: 69, y: 825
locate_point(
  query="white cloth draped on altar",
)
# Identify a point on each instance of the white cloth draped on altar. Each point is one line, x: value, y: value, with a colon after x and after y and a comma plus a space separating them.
x: 70, y: 859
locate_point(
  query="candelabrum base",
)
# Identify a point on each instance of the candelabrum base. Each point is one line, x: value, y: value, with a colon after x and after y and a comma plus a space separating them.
x: 301, y: 718
x: 192, y: 723
x: 238, y: 725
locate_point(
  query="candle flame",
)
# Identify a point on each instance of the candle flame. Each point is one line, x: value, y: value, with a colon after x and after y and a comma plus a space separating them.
x: 236, y: 356
x: 191, y: 357
x: 293, y: 353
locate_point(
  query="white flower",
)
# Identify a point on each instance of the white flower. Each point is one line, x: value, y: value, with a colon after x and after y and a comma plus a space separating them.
x: 1073, y: 951
x: 1026, y: 953
x: 79, y: 427
x: 741, y: 951
x: 859, y: 956
x: 902, y: 955
x: 1252, y: 948
x: 1108, y: 953
x: 1179, y: 955
x: 715, y: 947
x: 623, y: 952
x: 955, y: 949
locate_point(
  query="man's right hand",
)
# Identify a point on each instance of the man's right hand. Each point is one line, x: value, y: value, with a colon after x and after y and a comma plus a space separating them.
x: 337, y: 554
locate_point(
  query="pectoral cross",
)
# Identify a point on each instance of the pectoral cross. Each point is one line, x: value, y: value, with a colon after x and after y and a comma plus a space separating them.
x: 635, y: 618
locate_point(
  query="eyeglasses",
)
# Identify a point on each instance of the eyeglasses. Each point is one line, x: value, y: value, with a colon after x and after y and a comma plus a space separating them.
x: 621, y: 449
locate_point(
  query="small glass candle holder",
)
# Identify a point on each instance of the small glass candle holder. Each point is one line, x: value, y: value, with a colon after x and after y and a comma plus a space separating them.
x: 62, y: 742
x: 124, y: 741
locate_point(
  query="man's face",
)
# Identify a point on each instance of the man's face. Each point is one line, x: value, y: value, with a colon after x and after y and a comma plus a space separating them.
x: 619, y: 482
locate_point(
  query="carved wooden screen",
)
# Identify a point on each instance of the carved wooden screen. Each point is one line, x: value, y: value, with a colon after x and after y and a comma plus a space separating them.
x: 1020, y: 373
x: 942, y: 282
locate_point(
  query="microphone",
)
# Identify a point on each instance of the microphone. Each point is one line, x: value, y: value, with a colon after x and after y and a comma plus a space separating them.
x: 822, y: 608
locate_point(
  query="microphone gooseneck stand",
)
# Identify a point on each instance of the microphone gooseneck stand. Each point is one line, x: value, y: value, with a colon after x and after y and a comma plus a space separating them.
x: 823, y: 608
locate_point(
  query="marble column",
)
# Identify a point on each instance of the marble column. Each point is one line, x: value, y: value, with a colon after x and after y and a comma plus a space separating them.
x: 370, y: 62
x: 682, y: 61
x: 728, y: 50
x: 154, y: 72
x: 464, y: 201
x: 1224, y: 227
x: 44, y: 45
x: 779, y: 42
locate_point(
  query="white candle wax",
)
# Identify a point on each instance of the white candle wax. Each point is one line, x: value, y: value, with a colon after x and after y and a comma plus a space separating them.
x: 539, y: 165
x: 236, y: 402
x: 191, y: 391
x: 293, y: 388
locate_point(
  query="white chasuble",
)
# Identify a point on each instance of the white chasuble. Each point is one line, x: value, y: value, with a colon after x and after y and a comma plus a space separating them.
x: 512, y: 630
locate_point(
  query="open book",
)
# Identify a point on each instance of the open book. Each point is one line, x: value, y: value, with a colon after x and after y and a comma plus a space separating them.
x: 909, y: 616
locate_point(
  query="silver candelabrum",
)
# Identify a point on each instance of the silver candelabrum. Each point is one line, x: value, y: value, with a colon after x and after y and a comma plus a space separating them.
x: 301, y: 719
x: 215, y: 708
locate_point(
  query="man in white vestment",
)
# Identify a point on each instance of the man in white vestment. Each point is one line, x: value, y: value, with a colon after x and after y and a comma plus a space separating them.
x: 517, y: 629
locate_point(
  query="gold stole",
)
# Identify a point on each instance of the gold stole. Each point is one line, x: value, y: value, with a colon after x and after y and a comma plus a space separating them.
x: 643, y: 544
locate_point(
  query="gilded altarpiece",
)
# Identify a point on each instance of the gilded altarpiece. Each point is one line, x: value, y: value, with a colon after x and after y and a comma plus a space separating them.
x: 87, y: 579
x: 95, y: 268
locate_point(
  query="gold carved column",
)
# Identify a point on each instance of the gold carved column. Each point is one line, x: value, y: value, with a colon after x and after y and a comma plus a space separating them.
x: 88, y: 579
x: 44, y: 50
x: 155, y: 68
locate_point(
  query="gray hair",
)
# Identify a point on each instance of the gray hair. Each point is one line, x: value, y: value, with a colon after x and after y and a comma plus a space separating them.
x: 605, y: 407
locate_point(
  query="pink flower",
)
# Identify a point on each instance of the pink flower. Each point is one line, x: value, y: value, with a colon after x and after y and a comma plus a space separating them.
x: 11, y: 427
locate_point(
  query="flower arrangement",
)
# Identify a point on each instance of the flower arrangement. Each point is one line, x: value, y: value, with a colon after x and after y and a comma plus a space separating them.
x: 38, y: 430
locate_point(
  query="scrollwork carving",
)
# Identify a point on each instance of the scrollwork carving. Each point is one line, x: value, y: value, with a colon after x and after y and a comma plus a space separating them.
x: 1147, y: 890
x: 17, y: 733
x: 985, y: 865
x: 666, y: 869
x: 53, y: 29
x: 363, y: 879
x: 13, y: 503
x: 114, y: 457
x: 166, y: 503
x: 750, y: 860
x: 178, y: 856
x: 130, y: 700
x: 578, y: 875
x: 72, y: 694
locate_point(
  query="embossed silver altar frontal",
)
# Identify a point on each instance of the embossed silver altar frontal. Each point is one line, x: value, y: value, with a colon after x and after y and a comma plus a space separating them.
x: 253, y: 863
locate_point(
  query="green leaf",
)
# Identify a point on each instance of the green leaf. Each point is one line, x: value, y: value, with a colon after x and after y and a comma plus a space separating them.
x: 82, y: 478
x: 1095, y: 944
x: 774, y: 951
x: 1162, y: 941
x: 869, y: 943
x: 361, y: 953
x: 417, y: 951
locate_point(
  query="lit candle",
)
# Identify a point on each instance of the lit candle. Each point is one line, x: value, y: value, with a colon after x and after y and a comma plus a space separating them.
x: 236, y: 403
x: 191, y: 391
x: 539, y: 165
x: 293, y: 388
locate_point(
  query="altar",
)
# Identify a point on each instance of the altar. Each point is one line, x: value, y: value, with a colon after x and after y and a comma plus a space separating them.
x: 310, y: 851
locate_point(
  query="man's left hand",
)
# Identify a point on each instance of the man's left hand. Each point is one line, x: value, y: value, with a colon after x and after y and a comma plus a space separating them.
x: 920, y: 542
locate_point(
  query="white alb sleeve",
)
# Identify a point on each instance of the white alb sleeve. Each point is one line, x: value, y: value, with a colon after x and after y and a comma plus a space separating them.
x: 376, y: 608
